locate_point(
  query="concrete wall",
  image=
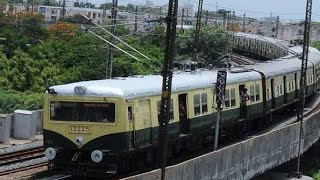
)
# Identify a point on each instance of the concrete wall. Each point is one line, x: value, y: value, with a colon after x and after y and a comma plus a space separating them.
x: 37, y: 116
x: 248, y: 158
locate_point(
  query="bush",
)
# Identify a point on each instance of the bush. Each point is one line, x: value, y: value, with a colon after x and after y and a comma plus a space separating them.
x: 10, y: 101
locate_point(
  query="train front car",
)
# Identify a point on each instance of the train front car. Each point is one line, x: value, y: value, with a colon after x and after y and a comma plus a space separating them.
x: 85, y: 131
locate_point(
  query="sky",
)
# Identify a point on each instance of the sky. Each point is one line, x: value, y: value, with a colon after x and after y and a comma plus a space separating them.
x: 288, y: 10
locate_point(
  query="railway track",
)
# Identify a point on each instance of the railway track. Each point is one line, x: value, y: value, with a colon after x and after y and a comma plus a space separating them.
x: 21, y: 160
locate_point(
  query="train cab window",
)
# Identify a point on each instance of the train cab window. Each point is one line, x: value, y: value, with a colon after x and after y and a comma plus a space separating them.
x: 171, y: 110
x: 82, y: 111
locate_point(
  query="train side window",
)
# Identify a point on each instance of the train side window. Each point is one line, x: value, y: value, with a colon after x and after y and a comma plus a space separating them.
x: 252, y: 93
x: 171, y: 110
x: 281, y: 91
x: 196, y: 103
x: 293, y: 86
x: 130, y: 113
x: 227, y: 99
x: 204, y: 103
x: 257, y: 90
x: 289, y: 86
x: 278, y: 91
x: 233, y: 97
x: 268, y: 94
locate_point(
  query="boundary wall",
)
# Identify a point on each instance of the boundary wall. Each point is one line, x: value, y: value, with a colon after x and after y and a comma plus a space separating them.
x: 245, y: 159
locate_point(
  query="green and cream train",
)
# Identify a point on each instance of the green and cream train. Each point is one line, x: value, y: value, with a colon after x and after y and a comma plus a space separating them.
x: 110, y: 126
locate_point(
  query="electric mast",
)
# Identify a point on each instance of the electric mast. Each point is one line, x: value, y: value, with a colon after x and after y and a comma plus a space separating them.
x: 113, y: 31
x: 197, y: 34
x: 303, y: 77
x: 171, y: 21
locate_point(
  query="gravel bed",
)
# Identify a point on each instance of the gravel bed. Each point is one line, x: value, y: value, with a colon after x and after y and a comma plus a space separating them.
x: 23, y: 164
x: 55, y: 177
x: 20, y: 147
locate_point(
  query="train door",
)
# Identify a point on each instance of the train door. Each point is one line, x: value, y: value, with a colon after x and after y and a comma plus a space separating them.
x: 285, y: 89
x: 272, y: 95
x: 131, y: 124
x: 144, y: 108
x: 183, y: 114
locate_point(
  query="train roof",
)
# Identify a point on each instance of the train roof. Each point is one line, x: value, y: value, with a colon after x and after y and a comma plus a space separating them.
x: 263, y: 39
x: 150, y: 85
x: 140, y: 86
x: 288, y: 64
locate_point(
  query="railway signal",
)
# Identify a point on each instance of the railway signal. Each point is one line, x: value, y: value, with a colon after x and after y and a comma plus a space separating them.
x: 220, y: 93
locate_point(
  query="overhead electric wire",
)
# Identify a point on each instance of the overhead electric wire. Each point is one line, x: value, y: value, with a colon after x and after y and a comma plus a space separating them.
x: 117, y: 38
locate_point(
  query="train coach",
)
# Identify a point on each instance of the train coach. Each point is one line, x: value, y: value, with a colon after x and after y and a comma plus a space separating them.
x: 106, y: 127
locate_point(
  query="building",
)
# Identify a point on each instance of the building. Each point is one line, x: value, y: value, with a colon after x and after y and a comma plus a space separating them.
x: 70, y: 3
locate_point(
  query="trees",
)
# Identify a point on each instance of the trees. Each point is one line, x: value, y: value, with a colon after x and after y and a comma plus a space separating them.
x: 212, y: 43
x: 62, y: 30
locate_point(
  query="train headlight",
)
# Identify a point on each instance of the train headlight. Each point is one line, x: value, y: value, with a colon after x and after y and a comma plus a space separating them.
x: 50, y: 153
x: 96, y: 156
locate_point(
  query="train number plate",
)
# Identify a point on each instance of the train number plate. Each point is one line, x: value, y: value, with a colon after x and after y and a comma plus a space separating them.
x: 79, y: 129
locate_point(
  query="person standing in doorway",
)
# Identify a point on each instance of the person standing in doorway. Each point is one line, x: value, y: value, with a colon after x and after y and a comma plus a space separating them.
x: 243, y: 105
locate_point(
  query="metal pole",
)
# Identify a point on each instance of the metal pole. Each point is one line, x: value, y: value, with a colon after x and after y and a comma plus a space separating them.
x: 63, y: 8
x: 216, y: 134
x: 244, y: 23
x: 277, y: 27
x: 182, y: 20
x: 303, y: 77
x: 207, y: 17
x: 135, y: 21
x: 113, y: 31
x: 198, y: 26
x: 171, y: 21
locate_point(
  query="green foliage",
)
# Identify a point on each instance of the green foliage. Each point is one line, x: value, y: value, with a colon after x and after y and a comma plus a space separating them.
x: 316, y: 176
x: 21, y: 31
x: 316, y: 44
x: 31, y: 60
x: 10, y: 101
x: 212, y: 43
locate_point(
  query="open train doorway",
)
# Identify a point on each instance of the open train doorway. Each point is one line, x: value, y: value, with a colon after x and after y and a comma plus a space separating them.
x: 183, y: 115
x: 243, y: 94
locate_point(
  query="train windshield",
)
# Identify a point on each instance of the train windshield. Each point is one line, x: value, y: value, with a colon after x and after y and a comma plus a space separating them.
x: 82, y: 111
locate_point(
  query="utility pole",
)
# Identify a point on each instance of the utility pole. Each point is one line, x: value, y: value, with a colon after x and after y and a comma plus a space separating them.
x: 135, y: 21
x: 277, y: 27
x: 171, y: 21
x: 63, y: 8
x: 113, y: 31
x: 303, y: 78
x: 207, y: 17
x: 196, y: 39
x: 182, y: 20
x: 244, y: 23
